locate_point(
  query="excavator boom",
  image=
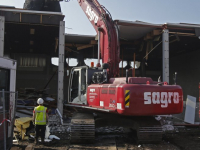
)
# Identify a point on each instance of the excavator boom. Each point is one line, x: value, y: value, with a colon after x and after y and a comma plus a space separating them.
x: 107, y: 31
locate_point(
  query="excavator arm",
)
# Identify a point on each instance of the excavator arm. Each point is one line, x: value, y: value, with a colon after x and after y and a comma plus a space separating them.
x: 107, y: 32
x: 102, y: 22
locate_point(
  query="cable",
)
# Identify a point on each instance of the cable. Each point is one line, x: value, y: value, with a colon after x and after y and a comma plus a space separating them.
x: 156, y: 46
x: 153, y: 49
x: 4, y: 120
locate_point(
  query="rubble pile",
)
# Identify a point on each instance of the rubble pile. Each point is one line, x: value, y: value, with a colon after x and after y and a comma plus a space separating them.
x: 27, y: 100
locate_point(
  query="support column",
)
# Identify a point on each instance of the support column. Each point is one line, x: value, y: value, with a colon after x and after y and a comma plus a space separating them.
x: 2, y: 31
x: 165, y: 56
x: 61, y: 67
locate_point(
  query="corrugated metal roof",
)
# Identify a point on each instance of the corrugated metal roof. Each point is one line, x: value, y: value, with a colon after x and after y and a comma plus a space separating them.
x: 31, y: 16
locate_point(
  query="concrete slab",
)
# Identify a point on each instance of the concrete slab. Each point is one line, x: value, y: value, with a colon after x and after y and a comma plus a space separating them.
x: 190, y: 109
x: 180, y: 117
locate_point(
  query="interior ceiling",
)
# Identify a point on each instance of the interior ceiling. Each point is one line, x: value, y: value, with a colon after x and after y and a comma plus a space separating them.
x: 140, y: 38
x: 22, y: 38
x: 130, y: 33
x: 78, y: 39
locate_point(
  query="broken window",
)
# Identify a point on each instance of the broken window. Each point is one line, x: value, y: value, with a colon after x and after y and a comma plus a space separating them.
x: 131, y: 64
x: 72, y: 62
x: 32, y: 61
x: 4, y: 85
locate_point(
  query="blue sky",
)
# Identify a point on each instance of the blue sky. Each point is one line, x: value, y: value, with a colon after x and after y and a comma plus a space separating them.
x: 153, y: 11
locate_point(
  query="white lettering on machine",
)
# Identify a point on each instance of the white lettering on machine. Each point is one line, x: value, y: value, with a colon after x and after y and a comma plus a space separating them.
x: 163, y: 98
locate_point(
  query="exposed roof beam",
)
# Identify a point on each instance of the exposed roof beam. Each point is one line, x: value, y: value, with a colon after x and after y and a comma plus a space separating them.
x: 84, y: 47
x: 72, y: 45
x: 183, y: 34
x: 93, y: 42
x: 153, y: 33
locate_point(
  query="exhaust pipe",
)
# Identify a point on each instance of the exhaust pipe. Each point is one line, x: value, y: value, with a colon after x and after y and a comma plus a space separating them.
x: 127, y: 76
x: 175, y: 78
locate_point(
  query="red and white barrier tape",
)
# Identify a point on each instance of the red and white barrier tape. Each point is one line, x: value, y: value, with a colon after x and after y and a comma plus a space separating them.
x: 4, y: 120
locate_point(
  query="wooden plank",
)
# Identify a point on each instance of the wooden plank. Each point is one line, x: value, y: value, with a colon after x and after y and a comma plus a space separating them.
x: 151, y: 34
x: 84, y: 47
x: 93, y: 42
x: 68, y: 49
x: 156, y: 32
x: 72, y: 45
x: 148, y: 36
x: 183, y: 34
x: 16, y: 148
x: 29, y: 147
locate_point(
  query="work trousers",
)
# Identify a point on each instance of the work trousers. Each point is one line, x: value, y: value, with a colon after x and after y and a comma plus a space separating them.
x: 40, y: 131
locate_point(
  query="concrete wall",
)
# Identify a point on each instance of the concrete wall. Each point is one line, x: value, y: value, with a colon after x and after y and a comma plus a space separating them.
x: 37, y: 77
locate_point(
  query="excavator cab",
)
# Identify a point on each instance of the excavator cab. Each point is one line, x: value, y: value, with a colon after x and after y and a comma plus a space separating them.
x: 80, y: 78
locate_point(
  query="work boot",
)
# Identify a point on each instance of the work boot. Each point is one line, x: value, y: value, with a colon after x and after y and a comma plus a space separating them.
x: 36, y: 141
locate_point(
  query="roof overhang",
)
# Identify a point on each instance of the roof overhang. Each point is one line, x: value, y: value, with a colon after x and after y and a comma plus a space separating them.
x: 133, y: 30
x: 182, y: 25
x: 31, y: 16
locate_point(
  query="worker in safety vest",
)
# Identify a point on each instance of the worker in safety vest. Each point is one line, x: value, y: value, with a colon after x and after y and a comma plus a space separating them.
x: 40, y: 119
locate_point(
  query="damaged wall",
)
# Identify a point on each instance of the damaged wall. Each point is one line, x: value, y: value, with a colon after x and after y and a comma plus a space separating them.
x: 188, y: 72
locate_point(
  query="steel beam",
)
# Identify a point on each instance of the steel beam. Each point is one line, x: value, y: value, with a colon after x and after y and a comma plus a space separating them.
x: 165, y: 55
x: 2, y: 31
x: 4, y: 117
x: 61, y: 67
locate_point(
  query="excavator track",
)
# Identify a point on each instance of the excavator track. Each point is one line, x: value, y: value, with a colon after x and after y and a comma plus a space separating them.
x: 149, y: 131
x: 82, y: 128
x: 150, y: 135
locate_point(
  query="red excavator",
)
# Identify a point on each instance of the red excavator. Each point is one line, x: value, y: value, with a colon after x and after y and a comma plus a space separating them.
x: 125, y: 101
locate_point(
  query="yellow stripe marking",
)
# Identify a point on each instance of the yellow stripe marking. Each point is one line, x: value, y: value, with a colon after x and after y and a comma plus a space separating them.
x: 127, y: 98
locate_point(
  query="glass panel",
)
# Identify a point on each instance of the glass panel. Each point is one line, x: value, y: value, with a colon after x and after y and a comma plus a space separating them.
x: 75, y: 85
x: 83, y: 81
x: 4, y: 79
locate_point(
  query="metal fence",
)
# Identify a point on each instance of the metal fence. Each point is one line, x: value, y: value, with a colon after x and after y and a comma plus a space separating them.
x: 7, y: 118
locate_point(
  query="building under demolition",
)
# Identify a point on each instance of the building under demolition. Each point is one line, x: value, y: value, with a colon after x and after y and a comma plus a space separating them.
x: 34, y: 37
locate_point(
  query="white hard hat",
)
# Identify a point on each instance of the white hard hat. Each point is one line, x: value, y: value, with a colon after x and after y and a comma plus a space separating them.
x: 40, y: 101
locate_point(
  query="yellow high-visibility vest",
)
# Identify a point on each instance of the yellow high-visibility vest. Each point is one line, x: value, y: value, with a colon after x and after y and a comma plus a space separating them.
x: 40, y: 115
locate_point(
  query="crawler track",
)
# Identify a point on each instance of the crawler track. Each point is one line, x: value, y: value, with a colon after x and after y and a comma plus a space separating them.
x: 149, y: 131
x: 150, y: 134
x: 82, y: 128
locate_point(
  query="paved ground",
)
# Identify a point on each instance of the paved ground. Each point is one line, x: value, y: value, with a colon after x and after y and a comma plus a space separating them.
x: 185, y: 139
